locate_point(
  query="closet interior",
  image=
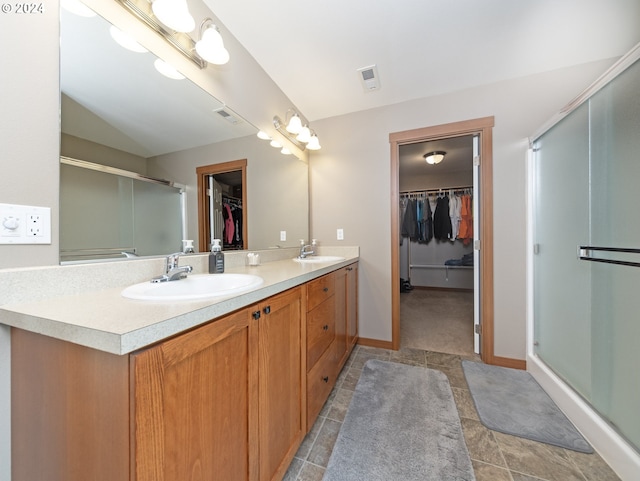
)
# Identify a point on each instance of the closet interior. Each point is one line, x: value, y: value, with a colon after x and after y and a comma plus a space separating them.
x: 436, y: 246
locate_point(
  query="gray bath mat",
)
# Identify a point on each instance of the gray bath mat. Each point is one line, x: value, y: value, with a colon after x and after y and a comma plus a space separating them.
x: 402, y: 424
x: 512, y: 402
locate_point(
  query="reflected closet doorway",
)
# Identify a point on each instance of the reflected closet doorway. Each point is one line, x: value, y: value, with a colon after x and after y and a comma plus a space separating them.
x: 473, y: 140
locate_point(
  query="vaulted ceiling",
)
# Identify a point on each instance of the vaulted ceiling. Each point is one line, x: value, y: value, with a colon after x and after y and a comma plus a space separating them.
x: 313, y: 48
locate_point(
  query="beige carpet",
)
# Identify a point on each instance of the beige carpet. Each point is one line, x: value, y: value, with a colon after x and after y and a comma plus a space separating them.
x: 437, y: 320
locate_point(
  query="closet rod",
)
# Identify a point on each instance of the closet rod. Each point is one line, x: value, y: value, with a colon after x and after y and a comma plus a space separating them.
x: 442, y: 189
x: 437, y: 266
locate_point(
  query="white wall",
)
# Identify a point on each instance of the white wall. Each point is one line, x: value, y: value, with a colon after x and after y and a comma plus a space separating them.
x: 350, y: 186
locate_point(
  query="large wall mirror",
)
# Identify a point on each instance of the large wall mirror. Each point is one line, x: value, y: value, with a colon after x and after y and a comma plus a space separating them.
x: 120, y: 116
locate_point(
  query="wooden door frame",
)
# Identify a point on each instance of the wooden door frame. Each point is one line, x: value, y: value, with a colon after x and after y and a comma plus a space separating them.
x: 203, y: 207
x: 483, y: 127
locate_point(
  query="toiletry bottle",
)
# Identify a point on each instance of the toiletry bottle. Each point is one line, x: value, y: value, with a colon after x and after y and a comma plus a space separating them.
x: 216, y: 258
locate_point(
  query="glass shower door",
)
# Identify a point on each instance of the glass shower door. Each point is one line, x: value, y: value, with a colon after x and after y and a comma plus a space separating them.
x: 561, y: 281
x: 615, y: 289
x: 587, y: 251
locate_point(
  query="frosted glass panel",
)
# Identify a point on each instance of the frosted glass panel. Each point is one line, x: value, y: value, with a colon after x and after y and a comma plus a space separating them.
x: 615, y: 322
x: 103, y: 215
x: 586, y: 321
x: 562, y: 287
x: 157, y: 219
x: 96, y: 213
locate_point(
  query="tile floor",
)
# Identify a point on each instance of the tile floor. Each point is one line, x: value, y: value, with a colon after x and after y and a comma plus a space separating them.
x: 495, y: 456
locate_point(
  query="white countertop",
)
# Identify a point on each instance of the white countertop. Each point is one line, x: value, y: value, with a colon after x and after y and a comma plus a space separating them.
x: 103, y: 319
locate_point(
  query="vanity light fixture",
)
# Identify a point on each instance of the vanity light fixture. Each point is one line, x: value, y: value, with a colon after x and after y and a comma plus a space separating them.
x: 275, y: 144
x: 263, y: 135
x: 314, y: 143
x: 285, y: 151
x: 305, y: 135
x: 174, y: 14
x: 303, y: 138
x: 294, y: 125
x: 125, y: 40
x: 434, y: 157
x: 167, y: 70
x: 210, y: 46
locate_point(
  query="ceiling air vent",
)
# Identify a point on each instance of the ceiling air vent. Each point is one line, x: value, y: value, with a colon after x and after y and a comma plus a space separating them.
x: 228, y: 115
x: 369, y: 78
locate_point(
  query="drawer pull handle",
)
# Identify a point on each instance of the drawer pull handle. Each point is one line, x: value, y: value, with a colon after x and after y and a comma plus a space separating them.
x: 326, y: 289
x: 325, y: 379
x: 325, y: 327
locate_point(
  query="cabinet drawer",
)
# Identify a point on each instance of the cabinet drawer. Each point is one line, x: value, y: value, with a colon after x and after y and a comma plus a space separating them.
x: 321, y: 330
x: 320, y: 381
x: 320, y: 290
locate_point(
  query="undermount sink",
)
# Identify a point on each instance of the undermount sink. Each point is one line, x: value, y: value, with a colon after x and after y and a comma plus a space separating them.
x: 318, y: 259
x: 195, y: 287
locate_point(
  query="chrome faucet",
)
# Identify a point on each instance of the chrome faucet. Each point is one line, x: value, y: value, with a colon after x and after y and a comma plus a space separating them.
x: 173, y: 272
x: 307, y: 250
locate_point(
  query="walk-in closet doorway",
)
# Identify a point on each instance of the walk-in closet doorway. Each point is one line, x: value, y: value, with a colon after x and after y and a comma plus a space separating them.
x: 442, y: 263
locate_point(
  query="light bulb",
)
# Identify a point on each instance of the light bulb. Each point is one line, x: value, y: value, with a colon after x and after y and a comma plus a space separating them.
x: 295, y: 124
x: 305, y: 135
x: 174, y: 14
x: 211, y: 47
x: 125, y: 40
x: 314, y: 143
x: 167, y: 70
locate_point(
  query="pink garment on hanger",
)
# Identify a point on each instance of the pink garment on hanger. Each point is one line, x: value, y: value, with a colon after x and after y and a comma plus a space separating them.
x: 229, y: 226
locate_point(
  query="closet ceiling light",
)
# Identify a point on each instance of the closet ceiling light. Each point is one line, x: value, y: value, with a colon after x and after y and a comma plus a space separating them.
x: 434, y: 157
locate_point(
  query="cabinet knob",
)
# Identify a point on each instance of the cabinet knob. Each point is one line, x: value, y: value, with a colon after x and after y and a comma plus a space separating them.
x: 349, y: 268
x: 326, y: 289
x: 256, y: 314
x: 325, y: 379
x: 325, y: 327
x: 267, y: 309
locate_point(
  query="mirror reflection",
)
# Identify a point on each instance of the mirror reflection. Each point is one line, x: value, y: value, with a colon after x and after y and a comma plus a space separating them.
x: 119, y: 112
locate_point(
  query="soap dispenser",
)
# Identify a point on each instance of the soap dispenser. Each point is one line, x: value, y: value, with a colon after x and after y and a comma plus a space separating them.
x: 216, y: 258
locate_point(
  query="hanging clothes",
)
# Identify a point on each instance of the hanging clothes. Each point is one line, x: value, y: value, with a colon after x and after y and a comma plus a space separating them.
x: 410, y: 222
x: 454, y: 215
x: 427, y: 229
x: 466, y: 220
x: 441, y: 219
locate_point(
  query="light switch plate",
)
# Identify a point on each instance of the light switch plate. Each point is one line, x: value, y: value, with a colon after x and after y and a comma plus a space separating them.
x: 25, y: 224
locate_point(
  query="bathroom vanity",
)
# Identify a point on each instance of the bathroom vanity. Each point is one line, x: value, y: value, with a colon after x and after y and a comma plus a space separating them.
x: 230, y: 398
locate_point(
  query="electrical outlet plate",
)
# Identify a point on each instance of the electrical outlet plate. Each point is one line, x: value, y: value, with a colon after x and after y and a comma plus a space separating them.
x: 340, y: 234
x: 24, y: 224
x: 283, y: 235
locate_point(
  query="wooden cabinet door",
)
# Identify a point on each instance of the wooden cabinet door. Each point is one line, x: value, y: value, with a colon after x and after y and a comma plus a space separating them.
x: 195, y: 405
x: 352, y: 304
x: 341, y: 316
x: 280, y: 381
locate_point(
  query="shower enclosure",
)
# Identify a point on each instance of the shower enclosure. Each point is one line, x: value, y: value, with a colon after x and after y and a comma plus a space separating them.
x: 585, y: 295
